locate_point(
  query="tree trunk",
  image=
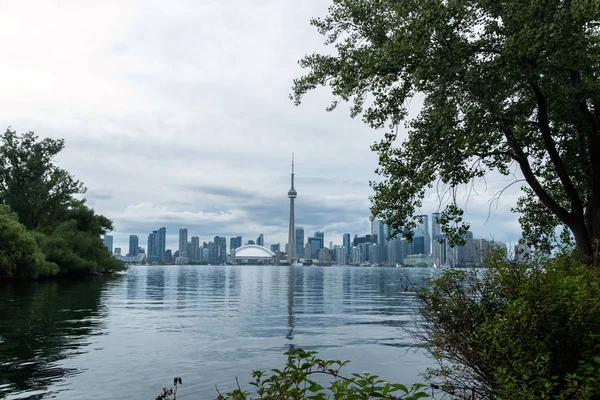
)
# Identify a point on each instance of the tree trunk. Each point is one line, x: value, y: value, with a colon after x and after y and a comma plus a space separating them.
x: 583, y: 243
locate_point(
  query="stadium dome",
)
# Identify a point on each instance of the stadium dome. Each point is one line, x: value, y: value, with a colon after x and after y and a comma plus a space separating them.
x: 253, y: 252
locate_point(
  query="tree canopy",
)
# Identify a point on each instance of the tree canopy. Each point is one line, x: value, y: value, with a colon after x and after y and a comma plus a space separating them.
x: 45, y: 227
x: 504, y: 83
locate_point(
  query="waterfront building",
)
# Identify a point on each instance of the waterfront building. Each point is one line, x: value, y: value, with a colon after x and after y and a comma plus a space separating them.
x: 324, y: 256
x: 234, y: 243
x: 275, y: 248
x: 315, y: 244
x: 250, y: 242
x: 440, y: 250
x: 436, y: 227
x: 133, y: 245
x: 299, y: 242
x: 423, y: 230
x: 292, y: 194
x: 254, y: 254
x: 307, y: 251
x: 117, y: 250
x: 379, y: 229
x: 340, y: 255
x: 260, y: 240
x: 346, y: 244
x: 355, y: 256
x: 108, y: 243
x: 320, y: 235
x: 220, y: 250
x: 157, y: 242
x: 375, y: 254
x: 194, y: 254
x: 183, y: 234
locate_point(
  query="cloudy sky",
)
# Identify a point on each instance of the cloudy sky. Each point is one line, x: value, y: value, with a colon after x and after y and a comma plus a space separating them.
x: 176, y: 114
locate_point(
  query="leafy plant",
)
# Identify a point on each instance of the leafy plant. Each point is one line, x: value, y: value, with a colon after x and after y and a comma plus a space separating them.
x: 296, y: 382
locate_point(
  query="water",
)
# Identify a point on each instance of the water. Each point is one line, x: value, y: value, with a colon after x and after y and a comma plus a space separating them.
x: 127, y: 336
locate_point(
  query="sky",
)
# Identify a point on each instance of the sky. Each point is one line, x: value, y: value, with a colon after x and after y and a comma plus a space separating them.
x: 177, y: 114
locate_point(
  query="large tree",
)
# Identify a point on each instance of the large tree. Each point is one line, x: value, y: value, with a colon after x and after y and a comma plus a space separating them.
x: 504, y: 82
x: 39, y: 191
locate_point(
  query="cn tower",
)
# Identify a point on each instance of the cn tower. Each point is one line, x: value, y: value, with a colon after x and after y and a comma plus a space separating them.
x: 291, y: 256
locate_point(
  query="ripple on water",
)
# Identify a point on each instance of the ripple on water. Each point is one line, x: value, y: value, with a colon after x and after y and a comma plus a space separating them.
x: 132, y: 333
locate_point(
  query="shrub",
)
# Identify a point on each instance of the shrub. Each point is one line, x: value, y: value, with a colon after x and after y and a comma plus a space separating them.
x: 515, y: 330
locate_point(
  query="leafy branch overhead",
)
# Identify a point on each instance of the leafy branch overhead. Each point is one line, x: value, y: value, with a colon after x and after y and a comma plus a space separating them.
x: 504, y: 84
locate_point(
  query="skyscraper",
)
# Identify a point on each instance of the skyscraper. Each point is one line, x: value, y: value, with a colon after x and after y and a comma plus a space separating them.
x: 292, y: 230
x: 300, y: 242
x: 220, y: 256
x: 183, y: 233
x: 133, y: 245
x: 161, y: 244
x: 321, y: 235
x: 108, y: 242
x: 260, y: 240
x: 436, y: 228
x: 380, y: 229
x: 195, y: 247
x: 347, y: 246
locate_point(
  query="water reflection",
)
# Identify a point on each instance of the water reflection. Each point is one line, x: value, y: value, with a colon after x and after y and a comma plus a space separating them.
x: 209, y: 324
x: 42, y: 323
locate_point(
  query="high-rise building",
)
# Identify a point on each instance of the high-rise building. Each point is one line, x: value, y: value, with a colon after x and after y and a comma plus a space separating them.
x: 260, y: 240
x: 195, y: 249
x: 183, y: 234
x: 300, y: 242
x: 118, y: 250
x: 161, y: 244
x: 321, y: 235
x: 133, y: 245
x: 379, y: 229
x: 108, y: 243
x: 423, y: 230
x: 347, y: 245
x: 436, y: 227
x: 275, y: 247
x: 330, y: 245
x: 234, y: 243
x: 157, y: 242
x: 220, y: 255
x: 292, y: 194
x: 439, y: 249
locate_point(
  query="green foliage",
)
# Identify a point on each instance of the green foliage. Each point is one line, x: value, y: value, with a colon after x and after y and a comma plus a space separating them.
x: 296, y: 382
x: 51, y: 231
x: 20, y: 255
x: 31, y: 184
x: 515, y: 330
x: 504, y: 83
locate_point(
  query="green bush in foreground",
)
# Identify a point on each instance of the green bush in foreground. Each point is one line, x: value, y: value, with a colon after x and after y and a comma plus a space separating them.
x: 515, y: 330
x: 295, y: 382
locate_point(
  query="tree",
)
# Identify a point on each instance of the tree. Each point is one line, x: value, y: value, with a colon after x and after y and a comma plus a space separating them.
x: 31, y: 184
x: 20, y: 255
x: 504, y: 83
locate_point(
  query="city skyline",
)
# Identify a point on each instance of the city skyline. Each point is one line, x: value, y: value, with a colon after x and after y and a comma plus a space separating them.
x: 187, y: 131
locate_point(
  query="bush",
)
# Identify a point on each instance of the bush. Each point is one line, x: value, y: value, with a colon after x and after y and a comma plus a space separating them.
x: 295, y: 382
x: 515, y: 330
x: 20, y: 255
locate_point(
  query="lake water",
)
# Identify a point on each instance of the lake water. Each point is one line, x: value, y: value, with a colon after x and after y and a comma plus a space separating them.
x: 127, y: 336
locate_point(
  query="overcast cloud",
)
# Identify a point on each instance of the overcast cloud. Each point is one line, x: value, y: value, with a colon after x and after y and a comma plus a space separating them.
x: 176, y: 114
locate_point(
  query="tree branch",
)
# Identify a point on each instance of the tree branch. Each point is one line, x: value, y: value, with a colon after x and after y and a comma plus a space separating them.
x: 535, y: 185
x: 557, y: 161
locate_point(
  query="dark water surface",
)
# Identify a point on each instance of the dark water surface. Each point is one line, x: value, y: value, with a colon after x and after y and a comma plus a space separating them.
x: 127, y: 336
